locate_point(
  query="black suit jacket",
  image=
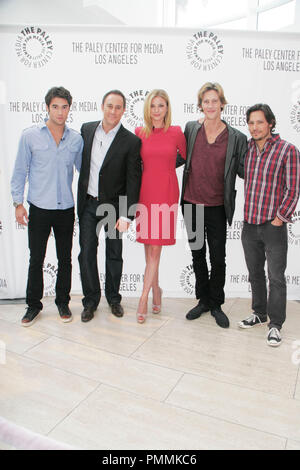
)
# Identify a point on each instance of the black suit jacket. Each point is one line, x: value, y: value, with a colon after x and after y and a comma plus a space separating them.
x: 120, y: 174
x: 234, y: 163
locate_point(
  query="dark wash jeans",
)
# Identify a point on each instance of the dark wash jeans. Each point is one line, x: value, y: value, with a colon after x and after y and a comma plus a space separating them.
x: 209, y: 286
x: 88, y: 261
x: 261, y: 243
x: 39, y: 227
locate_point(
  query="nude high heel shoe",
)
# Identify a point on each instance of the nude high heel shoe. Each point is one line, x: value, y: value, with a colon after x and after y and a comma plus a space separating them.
x: 141, y: 317
x: 157, y: 308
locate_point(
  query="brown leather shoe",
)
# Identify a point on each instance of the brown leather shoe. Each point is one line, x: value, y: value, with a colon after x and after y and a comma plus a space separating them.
x: 117, y: 310
x: 87, y: 314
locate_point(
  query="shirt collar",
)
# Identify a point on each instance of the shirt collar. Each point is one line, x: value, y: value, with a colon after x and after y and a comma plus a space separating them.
x: 43, y: 125
x: 270, y: 141
x: 112, y: 131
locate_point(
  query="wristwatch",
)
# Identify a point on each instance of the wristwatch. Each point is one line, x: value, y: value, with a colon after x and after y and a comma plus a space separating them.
x: 16, y: 204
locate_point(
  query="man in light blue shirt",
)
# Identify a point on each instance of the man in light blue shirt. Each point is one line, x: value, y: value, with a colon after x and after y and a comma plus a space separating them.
x: 46, y: 157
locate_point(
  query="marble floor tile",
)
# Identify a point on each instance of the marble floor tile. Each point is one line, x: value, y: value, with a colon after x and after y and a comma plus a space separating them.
x: 4, y: 446
x: 171, y: 308
x: 297, y: 361
x: 293, y: 445
x: 113, y: 419
x: 251, y: 408
x: 291, y: 328
x: 228, y: 355
x: 242, y: 309
x: 19, y: 339
x: 113, y: 384
x: 37, y: 396
x: 128, y: 374
x: 105, y: 331
x: 12, y: 313
x: 178, y: 308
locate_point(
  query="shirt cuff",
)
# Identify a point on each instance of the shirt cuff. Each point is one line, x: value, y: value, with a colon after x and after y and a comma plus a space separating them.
x: 125, y: 218
x: 283, y: 219
x: 18, y: 199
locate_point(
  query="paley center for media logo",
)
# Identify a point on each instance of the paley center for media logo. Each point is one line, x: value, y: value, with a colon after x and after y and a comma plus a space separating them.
x: 34, y: 47
x: 295, y: 111
x: 205, y: 50
x: 50, y: 275
x: 134, y: 114
x: 294, y: 230
x: 187, y: 279
x: 295, y: 116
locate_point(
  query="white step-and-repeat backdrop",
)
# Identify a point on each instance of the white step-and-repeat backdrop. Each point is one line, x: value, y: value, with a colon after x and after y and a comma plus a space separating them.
x: 252, y: 67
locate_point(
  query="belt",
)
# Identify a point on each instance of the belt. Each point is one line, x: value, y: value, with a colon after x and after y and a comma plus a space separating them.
x: 88, y: 196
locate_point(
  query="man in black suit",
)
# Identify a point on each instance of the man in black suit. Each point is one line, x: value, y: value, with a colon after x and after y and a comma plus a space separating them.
x: 111, y: 169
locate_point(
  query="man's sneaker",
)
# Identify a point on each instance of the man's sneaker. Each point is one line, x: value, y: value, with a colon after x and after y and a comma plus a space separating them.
x: 30, y: 316
x: 251, y: 321
x: 274, y: 338
x: 64, y: 313
x: 220, y: 317
x: 197, y: 311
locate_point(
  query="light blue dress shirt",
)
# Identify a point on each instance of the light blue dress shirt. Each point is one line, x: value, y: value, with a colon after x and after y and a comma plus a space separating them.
x: 48, y: 167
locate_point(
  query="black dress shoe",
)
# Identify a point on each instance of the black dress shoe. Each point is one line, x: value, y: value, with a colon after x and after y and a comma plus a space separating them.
x: 64, y: 313
x: 197, y: 311
x: 117, y: 310
x: 220, y: 317
x: 87, y: 314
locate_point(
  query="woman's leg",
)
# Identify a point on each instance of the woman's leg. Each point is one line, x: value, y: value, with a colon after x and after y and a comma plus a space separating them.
x: 152, y: 255
x: 155, y: 285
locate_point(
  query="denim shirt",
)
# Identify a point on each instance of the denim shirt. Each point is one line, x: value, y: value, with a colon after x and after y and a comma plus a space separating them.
x: 48, y: 167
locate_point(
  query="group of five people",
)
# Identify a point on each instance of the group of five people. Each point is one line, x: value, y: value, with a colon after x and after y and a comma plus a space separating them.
x: 125, y: 176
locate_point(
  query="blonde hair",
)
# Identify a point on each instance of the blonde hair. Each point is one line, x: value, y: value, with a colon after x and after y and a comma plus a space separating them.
x: 148, y: 126
x: 211, y: 86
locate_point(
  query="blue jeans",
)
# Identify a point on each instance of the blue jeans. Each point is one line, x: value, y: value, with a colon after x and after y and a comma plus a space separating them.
x: 261, y: 243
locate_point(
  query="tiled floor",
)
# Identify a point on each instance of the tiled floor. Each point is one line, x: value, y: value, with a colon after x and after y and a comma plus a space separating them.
x: 167, y: 384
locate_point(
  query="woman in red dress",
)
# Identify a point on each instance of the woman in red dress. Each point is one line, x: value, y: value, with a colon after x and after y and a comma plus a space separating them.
x: 158, y: 203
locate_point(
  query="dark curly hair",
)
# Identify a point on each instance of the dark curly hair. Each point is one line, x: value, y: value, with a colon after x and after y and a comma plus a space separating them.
x: 58, y: 92
x: 265, y: 108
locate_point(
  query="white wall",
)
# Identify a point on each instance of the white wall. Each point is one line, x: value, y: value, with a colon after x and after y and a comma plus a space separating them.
x: 182, y: 13
x: 106, y: 12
